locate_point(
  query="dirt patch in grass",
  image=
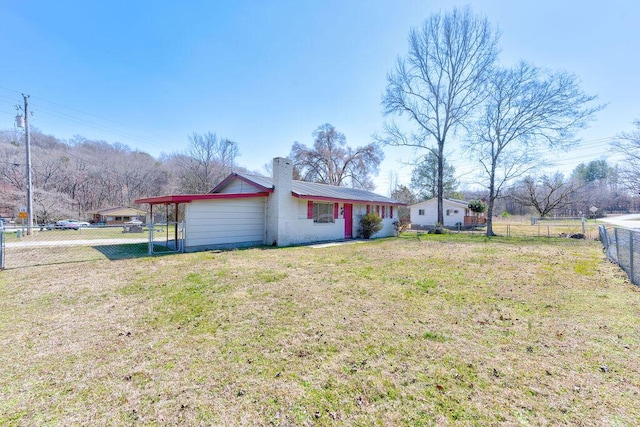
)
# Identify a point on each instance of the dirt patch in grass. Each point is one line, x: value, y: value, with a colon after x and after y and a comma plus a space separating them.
x: 409, y: 331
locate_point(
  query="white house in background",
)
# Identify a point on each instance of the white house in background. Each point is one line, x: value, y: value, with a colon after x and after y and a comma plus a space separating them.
x: 250, y: 210
x: 456, y: 213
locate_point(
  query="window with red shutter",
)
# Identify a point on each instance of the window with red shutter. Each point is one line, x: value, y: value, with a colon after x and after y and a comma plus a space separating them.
x: 335, y: 210
x: 309, y: 209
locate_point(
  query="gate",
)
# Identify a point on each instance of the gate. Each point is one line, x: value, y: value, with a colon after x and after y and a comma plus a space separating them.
x: 166, y: 238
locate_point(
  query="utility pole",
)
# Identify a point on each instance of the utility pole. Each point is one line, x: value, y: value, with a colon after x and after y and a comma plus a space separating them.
x: 28, y: 167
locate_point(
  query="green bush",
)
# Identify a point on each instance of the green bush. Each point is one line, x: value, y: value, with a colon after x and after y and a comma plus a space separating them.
x: 370, y: 224
x: 477, y: 206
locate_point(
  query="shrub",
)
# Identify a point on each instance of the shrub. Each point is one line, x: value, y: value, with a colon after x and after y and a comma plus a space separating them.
x: 477, y: 206
x: 370, y: 224
x: 438, y: 228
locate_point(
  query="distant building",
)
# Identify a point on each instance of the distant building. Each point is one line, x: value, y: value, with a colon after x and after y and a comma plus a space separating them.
x: 118, y: 215
x: 456, y: 214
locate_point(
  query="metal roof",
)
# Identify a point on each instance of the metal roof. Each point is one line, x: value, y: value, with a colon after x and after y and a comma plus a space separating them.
x: 313, y: 190
x: 460, y: 203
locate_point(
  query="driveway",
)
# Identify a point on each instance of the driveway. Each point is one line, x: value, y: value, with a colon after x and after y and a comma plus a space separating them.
x: 626, y: 221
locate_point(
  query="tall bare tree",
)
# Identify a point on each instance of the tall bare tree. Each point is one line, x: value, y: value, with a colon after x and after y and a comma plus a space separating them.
x: 527, y: 109
x: 331, y: 161
x: 628, y: 144
x: 440, y: 82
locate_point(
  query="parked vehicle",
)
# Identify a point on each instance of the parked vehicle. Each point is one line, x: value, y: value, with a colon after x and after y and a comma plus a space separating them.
x: 63, y: 225
x: 80, y: 223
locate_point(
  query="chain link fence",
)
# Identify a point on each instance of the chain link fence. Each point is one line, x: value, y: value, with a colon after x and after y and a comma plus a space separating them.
x: 44, y: 246
x: 622, y: 246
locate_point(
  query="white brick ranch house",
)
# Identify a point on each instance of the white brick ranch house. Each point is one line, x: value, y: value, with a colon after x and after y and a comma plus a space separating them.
x: 250, y: 210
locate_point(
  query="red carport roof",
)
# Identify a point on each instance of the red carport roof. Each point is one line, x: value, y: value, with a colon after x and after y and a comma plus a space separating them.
x: 188, y: 198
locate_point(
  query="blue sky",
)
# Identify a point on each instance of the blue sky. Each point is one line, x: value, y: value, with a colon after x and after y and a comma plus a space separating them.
x: 267, y: 73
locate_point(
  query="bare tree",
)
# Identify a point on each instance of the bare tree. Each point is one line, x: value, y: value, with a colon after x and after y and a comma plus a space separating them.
x: 545, y: 194
x: 331, y: 161
x: 527, y: 109
x: 440, y: 82
x: 628, y: 144
x: 207, y: 161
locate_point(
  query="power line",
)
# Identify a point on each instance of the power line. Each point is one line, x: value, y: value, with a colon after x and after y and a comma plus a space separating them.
x: 102, y: 124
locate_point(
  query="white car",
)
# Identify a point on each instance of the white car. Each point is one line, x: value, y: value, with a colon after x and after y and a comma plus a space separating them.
x: 79, y: 223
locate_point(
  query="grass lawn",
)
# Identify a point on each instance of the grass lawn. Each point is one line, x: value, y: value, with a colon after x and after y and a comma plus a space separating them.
x: 417, y: 330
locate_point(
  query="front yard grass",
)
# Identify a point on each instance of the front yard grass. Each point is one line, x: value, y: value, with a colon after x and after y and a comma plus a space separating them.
x: 416, y: 330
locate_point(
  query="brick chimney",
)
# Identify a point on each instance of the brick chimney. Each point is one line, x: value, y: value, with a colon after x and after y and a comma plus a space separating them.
x: 281, y: 205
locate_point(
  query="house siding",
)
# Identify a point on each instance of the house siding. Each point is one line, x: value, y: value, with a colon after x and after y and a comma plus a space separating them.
x: 430, y: 217
x: 225, y: 223
x: 238, y: 186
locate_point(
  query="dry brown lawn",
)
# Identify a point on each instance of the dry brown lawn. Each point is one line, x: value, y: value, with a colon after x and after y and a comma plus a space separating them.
x: 418, y: 330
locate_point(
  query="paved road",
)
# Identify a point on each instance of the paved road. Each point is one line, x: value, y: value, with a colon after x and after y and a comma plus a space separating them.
x: 626, y: 221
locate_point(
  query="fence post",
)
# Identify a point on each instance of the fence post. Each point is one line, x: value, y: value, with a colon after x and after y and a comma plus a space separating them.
x: 615, y: 236
x: 1, y: 247
x: 151, y: 227
x: 631, y: 257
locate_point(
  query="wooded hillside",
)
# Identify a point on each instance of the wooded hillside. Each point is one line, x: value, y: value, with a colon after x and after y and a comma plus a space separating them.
x: 76, y: 177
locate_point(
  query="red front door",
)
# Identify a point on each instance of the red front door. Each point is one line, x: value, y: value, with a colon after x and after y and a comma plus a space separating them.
x: 348, y: 221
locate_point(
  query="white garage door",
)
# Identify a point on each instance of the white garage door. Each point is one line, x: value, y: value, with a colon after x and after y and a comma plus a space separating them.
x: 225, y: 223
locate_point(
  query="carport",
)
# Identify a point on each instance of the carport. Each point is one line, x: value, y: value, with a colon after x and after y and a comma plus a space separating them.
x: 172, y: 203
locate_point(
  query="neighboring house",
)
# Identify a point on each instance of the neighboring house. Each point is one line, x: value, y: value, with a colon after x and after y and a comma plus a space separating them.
x: 249, y: 210
x: 456, y: 213
x: 118, y: 215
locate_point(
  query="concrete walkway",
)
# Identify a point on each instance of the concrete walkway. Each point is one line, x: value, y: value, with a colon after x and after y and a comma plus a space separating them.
x: 337, y: 243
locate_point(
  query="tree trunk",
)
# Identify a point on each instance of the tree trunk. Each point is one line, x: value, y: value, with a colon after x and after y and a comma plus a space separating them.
x: 492, y: 197
x: 440, y: 182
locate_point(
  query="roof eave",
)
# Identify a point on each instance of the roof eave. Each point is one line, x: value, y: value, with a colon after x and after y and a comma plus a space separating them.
x: 188, y: 198
x: 338, y: 199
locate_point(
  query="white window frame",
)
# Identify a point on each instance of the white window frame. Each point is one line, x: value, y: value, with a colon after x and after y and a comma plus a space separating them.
x: 323, y: 213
